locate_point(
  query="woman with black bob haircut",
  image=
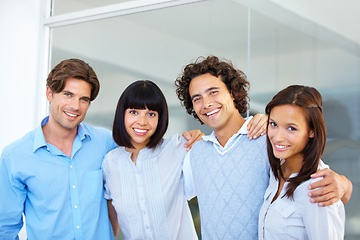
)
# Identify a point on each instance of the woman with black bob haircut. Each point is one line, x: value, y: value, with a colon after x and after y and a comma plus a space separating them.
x: 143, y: 177
x: 296, y: 137
x: 141, y: 95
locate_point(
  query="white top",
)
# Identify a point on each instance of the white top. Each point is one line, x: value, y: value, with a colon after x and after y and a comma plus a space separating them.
x: 189, y: 184
x: 299, y: 219
x: 149, y: 196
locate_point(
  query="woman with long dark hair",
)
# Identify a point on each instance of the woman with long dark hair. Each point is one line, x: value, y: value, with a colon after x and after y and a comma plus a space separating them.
x: 296, y: 139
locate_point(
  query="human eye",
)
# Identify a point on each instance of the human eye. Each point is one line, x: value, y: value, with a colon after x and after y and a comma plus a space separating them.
x: 292, y: 129
x: 196, y: 99
x: 272, y: 124
x: 67, y: 94
x: 213, y: 92
x: 152, y: 114
x: 133, y: 111
x: 85, y: 100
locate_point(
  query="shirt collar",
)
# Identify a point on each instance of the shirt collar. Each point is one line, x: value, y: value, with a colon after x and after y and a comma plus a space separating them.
x: 243, y: 130
x: 39, y: 138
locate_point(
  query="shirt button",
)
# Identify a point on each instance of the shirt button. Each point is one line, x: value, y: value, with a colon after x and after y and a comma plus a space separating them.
x: 77, y: 226
x: 73, y: 186
x: 75, y: 206
x: 70, y: 166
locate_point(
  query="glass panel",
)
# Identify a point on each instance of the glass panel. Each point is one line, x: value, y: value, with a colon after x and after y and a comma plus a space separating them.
x: 67, y: 6
x: 289, y: 50
x: 153, y: 45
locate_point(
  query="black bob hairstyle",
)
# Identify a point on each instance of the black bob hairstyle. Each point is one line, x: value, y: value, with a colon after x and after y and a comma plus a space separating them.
x: 141, y: 94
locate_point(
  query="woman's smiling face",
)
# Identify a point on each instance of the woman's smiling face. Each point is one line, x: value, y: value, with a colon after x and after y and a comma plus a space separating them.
x: 140, y: 124
x: 288, y: 132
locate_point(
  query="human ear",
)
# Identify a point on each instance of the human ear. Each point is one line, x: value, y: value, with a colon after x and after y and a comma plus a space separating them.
x: 49, y: 94
x: 311, y: 134
x: 232, y: 96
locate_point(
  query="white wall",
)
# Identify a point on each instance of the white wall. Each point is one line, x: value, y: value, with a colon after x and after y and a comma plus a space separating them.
x: 19, y: 26
x: 19, y: 98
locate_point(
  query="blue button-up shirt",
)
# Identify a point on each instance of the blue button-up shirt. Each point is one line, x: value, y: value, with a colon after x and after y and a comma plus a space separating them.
x: 61, y: 197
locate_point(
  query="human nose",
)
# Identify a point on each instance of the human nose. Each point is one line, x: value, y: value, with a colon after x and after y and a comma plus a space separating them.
x: 75, y: 104
x: 207, y: 102
x: 279, y: 136
x: 142, y: 119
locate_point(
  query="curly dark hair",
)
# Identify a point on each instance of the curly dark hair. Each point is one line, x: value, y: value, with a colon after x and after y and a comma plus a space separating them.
x: 235, y: 81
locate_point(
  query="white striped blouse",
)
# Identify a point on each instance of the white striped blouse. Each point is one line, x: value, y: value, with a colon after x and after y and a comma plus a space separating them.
x: 149, y: 196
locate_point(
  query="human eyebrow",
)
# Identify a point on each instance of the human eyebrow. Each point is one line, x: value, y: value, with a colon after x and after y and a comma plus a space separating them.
x: 271, y: 121
x: 194, y: 96
x: 86, y: 99
x: 211, y: 88
x: 67, y: 92
x: 293, y: 125
x: 206, y: 91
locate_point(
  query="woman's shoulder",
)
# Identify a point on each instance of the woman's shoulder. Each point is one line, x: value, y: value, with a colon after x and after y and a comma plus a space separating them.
x: 115, y: 154
x: 174, y: 141
x: 302, y: 198
x: 304, y: 185
x: 174, y: 144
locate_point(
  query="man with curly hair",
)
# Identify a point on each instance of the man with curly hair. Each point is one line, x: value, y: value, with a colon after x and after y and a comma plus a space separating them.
x: 228, y: 172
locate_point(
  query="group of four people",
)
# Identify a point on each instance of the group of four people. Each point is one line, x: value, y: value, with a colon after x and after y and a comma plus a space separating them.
x: 59, y: 173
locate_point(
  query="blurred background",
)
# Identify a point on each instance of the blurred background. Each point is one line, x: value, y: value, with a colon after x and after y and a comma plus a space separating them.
x: 275, y: 42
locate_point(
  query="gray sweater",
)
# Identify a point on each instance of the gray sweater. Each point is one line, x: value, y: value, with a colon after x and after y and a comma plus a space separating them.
x: 230, y: 185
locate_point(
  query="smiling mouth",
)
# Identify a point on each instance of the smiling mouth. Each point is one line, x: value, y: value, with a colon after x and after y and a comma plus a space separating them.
x: 139, y: 131
x: 71, y: 114
x: 212, y: 113
x: 281, y: 147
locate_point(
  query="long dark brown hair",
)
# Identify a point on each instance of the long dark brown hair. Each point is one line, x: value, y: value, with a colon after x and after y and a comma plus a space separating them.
x: 309, y: 99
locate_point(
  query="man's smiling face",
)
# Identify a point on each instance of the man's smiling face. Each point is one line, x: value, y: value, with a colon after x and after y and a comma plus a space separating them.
x: 68, y: 107
x: 212, y: 102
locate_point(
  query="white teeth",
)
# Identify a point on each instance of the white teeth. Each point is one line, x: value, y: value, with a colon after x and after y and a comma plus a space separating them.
x: 212, y: 112
x: 139, y: 130
x: 281, y: 146
x: 71, y: 115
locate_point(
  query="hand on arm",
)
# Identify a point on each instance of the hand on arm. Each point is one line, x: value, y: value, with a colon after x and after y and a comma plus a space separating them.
x: 113, y: 218
x: 257, y: 126
x: 192, y: 136
x: 332, y: 188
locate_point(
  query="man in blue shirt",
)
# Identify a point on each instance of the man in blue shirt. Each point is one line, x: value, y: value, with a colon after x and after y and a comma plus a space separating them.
x: 53, y: 174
